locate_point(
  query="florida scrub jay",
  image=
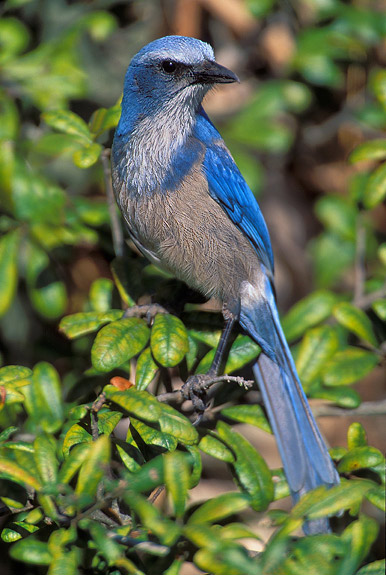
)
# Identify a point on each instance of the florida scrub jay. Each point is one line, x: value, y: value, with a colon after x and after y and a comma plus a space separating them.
x: 189, y: 210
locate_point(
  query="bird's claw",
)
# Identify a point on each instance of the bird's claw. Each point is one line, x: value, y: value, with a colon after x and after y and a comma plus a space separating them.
x: 148, y: 311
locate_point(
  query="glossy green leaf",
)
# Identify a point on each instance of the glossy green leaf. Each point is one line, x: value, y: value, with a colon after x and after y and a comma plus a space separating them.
x: 107, y: 421
x: 43, y: 397
x: 140, y: 404
x: 230, y: 560
x: 16, y: 530
x: 82, y: 323
x: 69, y: 123
x: 177, y: 425
x: 106, y: 546
x: 375, y: 191
x: 177, y: 479
x: 234, y: 531
x: 146, y: 369
x: 14, y: 375
x: 371, y: 150
x: 250, y: 468
x: 349, y: 365
x: 252, y: 414
x: 375, y: 568
x: 216, y: 509
x: 356, y: 436
x: 100, y: 295
x: 202, y: 535
x: 76, y: 457
x: 152, y: 436
x: 94, y: 468
x: 14, y: 38
x: 212, y: 445
x: 360, y: 458
x: 118, y: 342
x: 307, y: 313
x: 355, y: 320
x: 46, y: 460
x: 332, y: 256
x: 377, y: 497
x: 87, y: 156
x: 316, y: 348
x: 9, y: 246
x: 148, y: 477
x: 169, y: 340
x: 380, y: 87
x: 30, y: 550
x: 196, y: 463
x: 129, y: 461
x: 6, y: 433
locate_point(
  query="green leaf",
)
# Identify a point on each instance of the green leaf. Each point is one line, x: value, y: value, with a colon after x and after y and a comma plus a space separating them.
x: 94, y: 468
x: 317, y: 346
x: 9, y: 248
x: 14, y: 472
x: 338, y: 216
x: 375, y: 568
x: 31, y: 551
x: 46, y: 460
x: 356, y: 436
x: 87, y: 156
x: 76, y: 434
x: 73, y: 462
x: 251, y: 470
x: 108, y: 421
x: 152, y: 436
x: 146, y: 369
x: 118, y: 342
x: 177, y: 425
x: 177, y: 478
x: 167, y: 531
x: 380, y: 87
x: 106, y: 546
x: 169, y: 340
x: 371, y: 150
x: 376, y: 496
x: 220, y: 507
x: 340, y: 395
x: 229, y: 560
x: 14, y: 38
x: 68, y: 123
x: 360, y: 458
x: 322, y: 502
x: 308, y: 312
x: 105, y: 119
x: 355, y: 320
x: 252, y: 414
x: 101, y: 294
x: 375, y: 191
x: 15, y: 375
x: 6, y: 433
x: 379, y: 306
x: 82, y: 323
x: 140, y: 404
x: 196, y: 462
x: 349, y: 365
x: 359, y: 535
x: 242, y: 352
x: 43, y: 398
x: 148, y: 477
x: 213, y: 446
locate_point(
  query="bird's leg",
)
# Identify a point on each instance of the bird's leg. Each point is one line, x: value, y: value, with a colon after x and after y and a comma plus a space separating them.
x: 196, y: 385
x: 148, y: 311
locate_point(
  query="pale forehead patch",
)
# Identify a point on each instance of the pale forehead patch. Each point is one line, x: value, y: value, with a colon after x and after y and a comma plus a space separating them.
x: 179, y: 48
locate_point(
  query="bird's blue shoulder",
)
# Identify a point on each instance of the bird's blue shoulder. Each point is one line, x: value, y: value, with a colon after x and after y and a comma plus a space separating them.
x: 228, y: 187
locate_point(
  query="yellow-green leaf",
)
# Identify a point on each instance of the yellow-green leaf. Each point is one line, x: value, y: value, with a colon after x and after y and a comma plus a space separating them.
x: 118, y: 342
x: 43, y: 398
x: 317, y: 346
x: 146, y: 369
x: 101, y: 295
x: 9, y: 246
x: 375, y: 190
x: 94, y: 468
x: 356, y: 436
x: 68, y: 123
x: 169, y: 340
x: 371, y: 150
x: 179, y: 426
x: 212, y: 445
x: 82, y: 323
x: 177, y: 477
x: 308, y: 312
x: 140, y: 404
x: 14, y: 472
x: 349, y: 365
x: 355, y: 320
x: 87, y: 156
x: 252, y: 414
x: 219, y: 507
x: 360, y: 458
x: 46, y: 460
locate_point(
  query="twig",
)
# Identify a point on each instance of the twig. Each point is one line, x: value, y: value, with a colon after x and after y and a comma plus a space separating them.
x: 116, y: 228
x: 366, y: 300
x: 367, y: 408
x: 178, y: 396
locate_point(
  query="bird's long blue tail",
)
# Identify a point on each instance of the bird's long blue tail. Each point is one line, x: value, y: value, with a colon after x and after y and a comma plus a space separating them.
x: 305, y: 457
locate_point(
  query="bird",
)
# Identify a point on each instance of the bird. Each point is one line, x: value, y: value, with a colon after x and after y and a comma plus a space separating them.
x: 188, y: 209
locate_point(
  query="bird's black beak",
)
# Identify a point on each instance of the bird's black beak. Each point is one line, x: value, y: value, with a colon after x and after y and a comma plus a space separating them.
x: 209, y: 72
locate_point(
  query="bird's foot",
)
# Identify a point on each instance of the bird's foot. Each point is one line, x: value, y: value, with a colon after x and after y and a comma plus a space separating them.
x: 148, y: 311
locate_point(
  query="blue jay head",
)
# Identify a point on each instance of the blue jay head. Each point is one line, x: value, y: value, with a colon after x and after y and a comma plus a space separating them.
x: 174, y: 69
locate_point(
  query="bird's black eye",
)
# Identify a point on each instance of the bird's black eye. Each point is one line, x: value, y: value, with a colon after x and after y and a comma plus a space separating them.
x: 169, y: 66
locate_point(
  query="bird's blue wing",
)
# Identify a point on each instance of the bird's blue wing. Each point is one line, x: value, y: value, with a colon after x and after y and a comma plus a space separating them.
x: 228, y: 187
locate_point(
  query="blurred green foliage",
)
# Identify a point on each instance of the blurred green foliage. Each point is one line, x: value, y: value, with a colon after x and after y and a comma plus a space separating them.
x: 77, y: 496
